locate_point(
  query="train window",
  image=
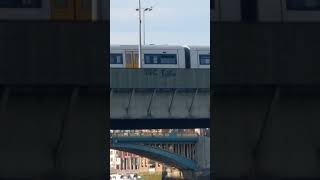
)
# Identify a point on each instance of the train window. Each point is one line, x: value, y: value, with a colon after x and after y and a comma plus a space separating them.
x: 116, y: 59
x: 249, y: 10
x: 20, y: 4
x: 303, y: 4
x: 85, y: 3
x: 160, y: 58
x: 61, y: 4
x: 204, y: 59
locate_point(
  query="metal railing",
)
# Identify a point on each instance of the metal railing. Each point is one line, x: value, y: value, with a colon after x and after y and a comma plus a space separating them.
x: 156, y: 134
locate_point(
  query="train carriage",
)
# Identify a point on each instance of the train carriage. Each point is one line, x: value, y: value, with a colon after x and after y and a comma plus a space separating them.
x: 153, y: 56
x: 200, y: 57
x: 289, y: 10
x: 79, y: 10
x: 266, y: 10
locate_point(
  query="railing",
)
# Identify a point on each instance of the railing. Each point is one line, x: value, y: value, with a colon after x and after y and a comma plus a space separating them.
x: 125, y: 134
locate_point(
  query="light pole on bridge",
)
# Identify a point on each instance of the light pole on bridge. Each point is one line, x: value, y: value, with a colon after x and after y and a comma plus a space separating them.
x: 144, y: 23
x: 140, y: 63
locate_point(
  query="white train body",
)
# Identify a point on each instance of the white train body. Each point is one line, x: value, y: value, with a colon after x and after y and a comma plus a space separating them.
x: 200, y: 57
x: 268, y: 10
x: 75, y: 10
x: 159, y: 56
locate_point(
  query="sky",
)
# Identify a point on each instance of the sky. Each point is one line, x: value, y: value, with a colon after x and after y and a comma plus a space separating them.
x: 175, y: 22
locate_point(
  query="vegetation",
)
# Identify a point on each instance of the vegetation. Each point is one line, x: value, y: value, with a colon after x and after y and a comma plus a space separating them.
x: 151, y: 176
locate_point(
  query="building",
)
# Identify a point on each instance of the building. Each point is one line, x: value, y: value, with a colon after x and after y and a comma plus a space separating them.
x: 128, y: 161
x: 114, y: 159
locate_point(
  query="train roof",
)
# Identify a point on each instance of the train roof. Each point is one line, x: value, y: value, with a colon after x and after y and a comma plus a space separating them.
x: 199, y: 47
x: 147, y: 46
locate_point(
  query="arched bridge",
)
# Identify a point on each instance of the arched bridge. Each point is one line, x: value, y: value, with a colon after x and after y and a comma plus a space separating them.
x: 176, y: 151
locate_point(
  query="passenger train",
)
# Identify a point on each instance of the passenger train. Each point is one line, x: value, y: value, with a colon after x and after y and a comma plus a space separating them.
x: 160, y: 56
x: 266, y: 10
x: 76, y: 10
x: 222, y: 10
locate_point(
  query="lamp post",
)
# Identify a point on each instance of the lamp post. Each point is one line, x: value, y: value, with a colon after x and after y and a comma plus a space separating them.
x: 140, y: 51
x: 144, y: 20
x: 144, y: 26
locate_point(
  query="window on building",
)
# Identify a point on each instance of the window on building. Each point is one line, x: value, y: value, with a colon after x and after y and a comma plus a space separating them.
x: 20, y: 3
x: 204, y: 59
x: 303, y: 4
x: 116, y: 59
x: 160, y: 58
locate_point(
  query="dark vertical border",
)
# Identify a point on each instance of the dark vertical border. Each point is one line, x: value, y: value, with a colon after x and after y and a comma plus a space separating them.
x: 212, y: 52
x: 108, y: 95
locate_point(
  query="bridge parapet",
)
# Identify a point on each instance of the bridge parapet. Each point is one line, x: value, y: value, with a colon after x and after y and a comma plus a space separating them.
x: 159, y: 78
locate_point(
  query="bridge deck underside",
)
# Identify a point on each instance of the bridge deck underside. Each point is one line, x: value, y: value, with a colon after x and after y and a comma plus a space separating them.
x: 159, y: 104
x: 159, y: 108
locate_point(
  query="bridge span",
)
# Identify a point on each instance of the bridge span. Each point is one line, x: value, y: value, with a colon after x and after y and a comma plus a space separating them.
x: 159, y: 98
x: 187, y: 153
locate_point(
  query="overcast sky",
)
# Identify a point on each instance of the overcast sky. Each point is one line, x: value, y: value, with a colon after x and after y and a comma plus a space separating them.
x: 184, y: 22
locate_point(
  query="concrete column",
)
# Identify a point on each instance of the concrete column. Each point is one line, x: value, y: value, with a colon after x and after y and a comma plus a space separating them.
x: 134, y: 164
x: 127, y: 163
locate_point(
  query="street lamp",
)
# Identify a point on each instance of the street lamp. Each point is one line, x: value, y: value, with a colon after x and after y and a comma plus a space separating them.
x: 144, y: 26
x: 140, y: 53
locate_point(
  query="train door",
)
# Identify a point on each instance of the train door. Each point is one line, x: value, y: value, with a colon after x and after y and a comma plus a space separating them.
x: 83, y: 9
x: 71, y: 9
x: 62, y: 9
x: 132, y: 59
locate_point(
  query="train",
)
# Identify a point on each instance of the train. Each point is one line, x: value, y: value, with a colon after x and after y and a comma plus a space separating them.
x: 160, y: 56
x: 222, y: 10
x: 55, y: 10
x: 266, y: 10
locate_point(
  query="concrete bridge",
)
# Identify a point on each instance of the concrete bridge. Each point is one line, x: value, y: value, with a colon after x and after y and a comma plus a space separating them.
x: 159, y: 98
